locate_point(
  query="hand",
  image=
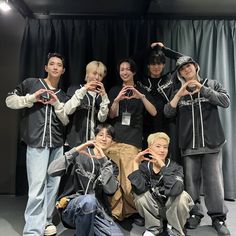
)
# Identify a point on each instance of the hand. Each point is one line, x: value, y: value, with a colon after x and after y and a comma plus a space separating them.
x: 185, y: 89
x: 161, y: 45
x: 141, y: 156
x: 82, y: 147
x: 194, y: 86
x: 53, y: 97
x: 100, y: 151
x: 156, y: 160
x: 134, y: 93
x: 38, y: 95
x: 100, y: 89
x: 91, y: 86
x: 123, y: 94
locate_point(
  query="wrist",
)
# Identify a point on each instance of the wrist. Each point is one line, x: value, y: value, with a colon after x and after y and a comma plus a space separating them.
x: 116, y: 101
x: 142, y: 97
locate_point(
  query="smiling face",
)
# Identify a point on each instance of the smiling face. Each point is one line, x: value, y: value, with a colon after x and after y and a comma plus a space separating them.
x: 160, y: 147
x: 55, y: 67
x: 103, y: 139
x: 188, y: 71
x: 156, y: 69
x: 126, y: 74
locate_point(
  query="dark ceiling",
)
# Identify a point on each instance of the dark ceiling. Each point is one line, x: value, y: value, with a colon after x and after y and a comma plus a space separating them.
x: 160, y: 8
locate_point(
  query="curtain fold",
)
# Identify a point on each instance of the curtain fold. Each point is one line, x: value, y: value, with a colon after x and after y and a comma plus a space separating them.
x: 212, y: 43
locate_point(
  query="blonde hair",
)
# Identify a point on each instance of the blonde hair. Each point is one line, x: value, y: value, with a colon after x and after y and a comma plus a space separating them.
x: 159, y: 135
x: 96, y: 66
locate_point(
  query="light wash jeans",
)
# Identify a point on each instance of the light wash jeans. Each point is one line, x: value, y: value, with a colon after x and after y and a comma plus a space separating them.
x: 85, y: 214
x: 42, y: 189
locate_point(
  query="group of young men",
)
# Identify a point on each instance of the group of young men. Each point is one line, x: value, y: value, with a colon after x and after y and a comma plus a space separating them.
x: 162, y: 114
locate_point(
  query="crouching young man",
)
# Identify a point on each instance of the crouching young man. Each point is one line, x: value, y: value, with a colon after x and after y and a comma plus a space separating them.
x: 83, y: 205
x: 158, y: 188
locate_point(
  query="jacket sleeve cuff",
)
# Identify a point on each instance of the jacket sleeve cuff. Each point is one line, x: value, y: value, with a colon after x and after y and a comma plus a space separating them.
x: 105, y: 100
x: 31, y: 98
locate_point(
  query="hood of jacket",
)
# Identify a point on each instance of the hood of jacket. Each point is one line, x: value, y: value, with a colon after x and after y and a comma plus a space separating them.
x: 183, y: 61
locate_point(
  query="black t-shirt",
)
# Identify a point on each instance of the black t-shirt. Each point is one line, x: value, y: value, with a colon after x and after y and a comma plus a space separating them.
x: 129, y: 134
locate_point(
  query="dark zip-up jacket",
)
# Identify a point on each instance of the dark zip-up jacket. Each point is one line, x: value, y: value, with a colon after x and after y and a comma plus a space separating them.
x: 198, y: 118
x: 168, y: 182
x: 86, y: 175
x: 160, y: 89
x: 41, y: 125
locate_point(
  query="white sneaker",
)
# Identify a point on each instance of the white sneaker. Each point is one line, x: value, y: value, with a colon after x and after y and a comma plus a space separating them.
x: 148, y: 233
x: 50, y: 229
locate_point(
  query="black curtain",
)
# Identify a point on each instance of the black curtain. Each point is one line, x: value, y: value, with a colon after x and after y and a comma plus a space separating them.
x: 212, y: 43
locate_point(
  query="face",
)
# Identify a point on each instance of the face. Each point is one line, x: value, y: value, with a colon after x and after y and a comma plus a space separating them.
x: 155, y: 70
x: 188, y: 71
x: 160, y: 147
x: 54, y: 68
x: 103, y: 139
x: 94, y: 75
x: 125, y: 73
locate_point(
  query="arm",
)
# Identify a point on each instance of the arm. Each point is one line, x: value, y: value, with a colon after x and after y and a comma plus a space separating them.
x: 21, y: 97
x: 170, y: 107
x: 15, y: 101
x: 108, y: 177
x: 114, y: 109
x: 147, y: 104
x: 172, y: 179
x: 103, y: 110
x: 139, y: 178
x: 167, y: 51
x: 75, y: 101
x: 58, y: 108
x: 216, y: 94
x: 59, y: 166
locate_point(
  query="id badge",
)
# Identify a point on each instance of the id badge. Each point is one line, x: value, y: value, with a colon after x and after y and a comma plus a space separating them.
x: 126, y: 117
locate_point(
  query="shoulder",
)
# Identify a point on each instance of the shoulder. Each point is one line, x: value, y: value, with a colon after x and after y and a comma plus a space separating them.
x: 115, y: 89
x: 173, y: 164
x: 31, y: 81
x: 71, y: 90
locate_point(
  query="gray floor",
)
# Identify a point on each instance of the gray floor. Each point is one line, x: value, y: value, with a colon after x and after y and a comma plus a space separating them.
x: 12, y: 221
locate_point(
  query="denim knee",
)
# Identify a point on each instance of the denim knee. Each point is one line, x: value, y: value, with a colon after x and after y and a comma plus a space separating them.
x: 88, y: 204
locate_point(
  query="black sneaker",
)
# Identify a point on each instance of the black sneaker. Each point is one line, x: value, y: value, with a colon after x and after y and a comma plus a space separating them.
x: 171, y: 232
x: 138, y: 220
x: 193, y: 221
x: 220, y: 227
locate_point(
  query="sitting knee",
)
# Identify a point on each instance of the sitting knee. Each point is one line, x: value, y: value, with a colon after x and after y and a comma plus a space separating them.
x: 89, y: 203
x: 185, y: 200
x: 141, y: 200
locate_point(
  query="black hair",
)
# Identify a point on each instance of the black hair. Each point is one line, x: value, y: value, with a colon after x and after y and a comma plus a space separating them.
x: 156, y: 57
x: 130, y: 61
x: 55, y: 54
x: 110, y: 129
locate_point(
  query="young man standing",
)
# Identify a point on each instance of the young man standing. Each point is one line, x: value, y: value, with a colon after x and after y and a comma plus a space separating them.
x: 88, y: 105
x: 42, y: 129
x: 128, y: 103
x: 201, y: 138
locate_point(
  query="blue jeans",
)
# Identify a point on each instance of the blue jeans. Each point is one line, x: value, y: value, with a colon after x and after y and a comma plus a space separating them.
x: 42, y: 189
x: 85, y: 214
